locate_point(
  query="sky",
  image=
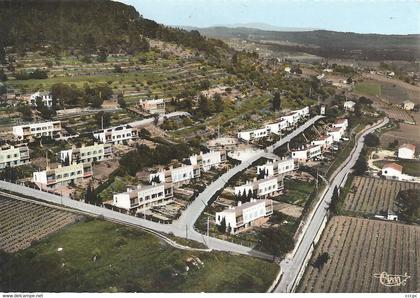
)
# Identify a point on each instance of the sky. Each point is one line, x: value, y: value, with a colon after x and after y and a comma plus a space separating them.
x: 361, y: 16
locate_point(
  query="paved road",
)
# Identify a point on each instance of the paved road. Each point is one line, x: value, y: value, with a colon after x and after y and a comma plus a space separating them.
x: 292, y: 266
x: 184, y: 227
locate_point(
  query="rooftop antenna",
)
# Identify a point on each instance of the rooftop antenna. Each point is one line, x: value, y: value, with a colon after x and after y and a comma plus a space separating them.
x: 46, y: 157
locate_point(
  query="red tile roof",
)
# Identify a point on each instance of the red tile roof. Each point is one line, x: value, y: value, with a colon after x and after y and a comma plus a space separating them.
x: 394, y: 166
x: 340, y: 121
x: 408, y: 146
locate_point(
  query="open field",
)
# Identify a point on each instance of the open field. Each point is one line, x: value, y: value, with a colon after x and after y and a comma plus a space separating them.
x: 21, y: 223
x: 359, y: 249
x: 406, y: 133
x: 368, y: 88
x: 401, y: 89
x: 373, y: 195
x: 99, y: 256
x: 392, y: 111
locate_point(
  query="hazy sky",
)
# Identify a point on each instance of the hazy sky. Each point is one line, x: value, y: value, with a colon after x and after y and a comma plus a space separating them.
x: 364, y: 16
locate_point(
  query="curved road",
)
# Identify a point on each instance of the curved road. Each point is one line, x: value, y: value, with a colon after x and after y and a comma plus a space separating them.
x: 184, y: 226
x: 293, y: 266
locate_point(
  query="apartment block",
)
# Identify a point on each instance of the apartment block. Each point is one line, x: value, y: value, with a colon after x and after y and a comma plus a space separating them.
x: 11, y: 156
x: 116, y: 135
x: 37, y: 130
x: 244, y: 216
x: 95, y: 152
x: 144, y: 197
x: 63, y: 174
x: 153, y: 106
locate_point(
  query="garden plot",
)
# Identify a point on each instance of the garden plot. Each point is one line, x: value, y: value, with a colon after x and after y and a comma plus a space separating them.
x: 22, y: 223
x: 359, y: 251
x: 372, y: 195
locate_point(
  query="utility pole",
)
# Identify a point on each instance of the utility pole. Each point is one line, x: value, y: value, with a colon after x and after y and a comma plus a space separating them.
x: 186, y: 231
x: 208, y: 225
x: 46, y: 157
x: 102, y: 122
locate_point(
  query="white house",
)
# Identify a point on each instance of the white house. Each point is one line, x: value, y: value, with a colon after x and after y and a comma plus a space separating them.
x: 392, y: 171
x: 95, y: 152
x: 144, y: 197
x: 29, y: 131
x: 341, y: 123
x: 408, y: 105
x: 252, y: 134
x: 226, y: 143
x: 407, y: 151
x: 177, y: 176
x: 208, y: 160
x: 63, y: 175
x: 263, y: 188
x: 276, y: 127
x: 349, y: 105
x: 46, y: 98
x: 280, y: 167
x: 116, y: 135
x: 306, y: 153
x: 292, y: 118
x: 324, y: 141
x: 153, y: 106
x: 245, y: 215
x: 11, y: 156
x: 304, y: 112
x: 336, y: 133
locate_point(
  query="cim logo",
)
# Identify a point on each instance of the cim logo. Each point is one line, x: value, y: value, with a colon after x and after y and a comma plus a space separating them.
x: 392, y: 280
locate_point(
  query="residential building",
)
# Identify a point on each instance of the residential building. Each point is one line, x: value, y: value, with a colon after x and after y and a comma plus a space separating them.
x: 245, y: 215
x: 392, y: 171
x: 349, y: 105
x: 407, y: 151
x: 95, y: 152
x: 252, y: 134
x: 267, y: 187
x: 324, y: 141
x: 177, y: 176
x: 63, y: 174
x: 208, y: 160
x: 341, y: 123
x: 304, y: 112
x: 276, y: 127
x: 336, y: 133
x: 306, y: 153
x: 46, y: 98
x: 116, y: 135
x: 408, y: 105
x: 292, y: 118
x: 11, y: 156
x: 153, y: 106
x: 144, y: 197
x: 37, y: 130
x: 277, y: 167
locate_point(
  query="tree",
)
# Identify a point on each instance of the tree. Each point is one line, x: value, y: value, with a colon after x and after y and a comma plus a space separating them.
x: 222, y: 226
x: 102, y: 56
x: 122, y: 102
x: 276, y: 102
x: 10, y: 174
x: 91, y: 196
x: 103, y: 118
x: 365, y: 101
x: 361, y: 166
x: 408, y: 202
x: 3, y: 76
x: 219, y: 105
x: 321, y: 260
x: 144, y: 133
x: 372, y: 140
x: 26, y: 112
x: 203, y: 106
x: 334, y: 201
x: 276, y: 241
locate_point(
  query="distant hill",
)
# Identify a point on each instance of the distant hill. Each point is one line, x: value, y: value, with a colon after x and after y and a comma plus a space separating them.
x: 329, y: 43
x: 259, y: 26
x: 90, y: 25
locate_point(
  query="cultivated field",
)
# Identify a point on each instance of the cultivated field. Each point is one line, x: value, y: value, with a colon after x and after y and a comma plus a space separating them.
x: 372, y: 195
x: 359, y: 249
x: 21, y: 223
x: 392, y: 111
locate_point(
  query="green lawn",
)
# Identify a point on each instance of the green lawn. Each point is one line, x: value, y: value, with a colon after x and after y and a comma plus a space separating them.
x: 128, y: 260
x: 370, y: 89
x: 297, y: 192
